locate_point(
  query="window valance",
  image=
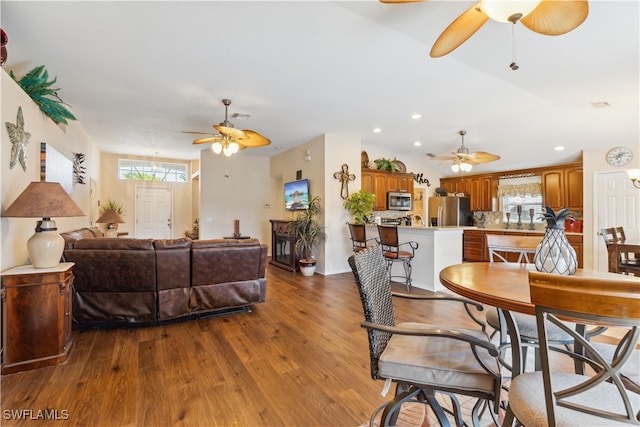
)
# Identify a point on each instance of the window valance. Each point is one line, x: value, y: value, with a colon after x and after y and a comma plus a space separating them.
x: 531, y: 189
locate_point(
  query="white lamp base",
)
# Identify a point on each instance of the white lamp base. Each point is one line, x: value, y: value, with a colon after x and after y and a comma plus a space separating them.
x: 45, y: 248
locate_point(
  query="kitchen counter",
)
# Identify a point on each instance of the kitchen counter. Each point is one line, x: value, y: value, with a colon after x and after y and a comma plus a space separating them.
x: 438, y: 247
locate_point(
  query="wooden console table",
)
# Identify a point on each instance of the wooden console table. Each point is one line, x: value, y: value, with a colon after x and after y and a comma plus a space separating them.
x: 282, y: 245
x: 36, y: 321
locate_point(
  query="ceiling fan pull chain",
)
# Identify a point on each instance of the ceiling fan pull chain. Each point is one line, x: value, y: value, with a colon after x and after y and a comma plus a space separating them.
x: 514, y: 65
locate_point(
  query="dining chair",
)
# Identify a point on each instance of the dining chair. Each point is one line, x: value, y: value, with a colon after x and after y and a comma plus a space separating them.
x: 358, y: 234
x: 622, y: 258
x: 394, y: 251
x: 521, y: 248
x: 597, y: 397
x: 424, y: 359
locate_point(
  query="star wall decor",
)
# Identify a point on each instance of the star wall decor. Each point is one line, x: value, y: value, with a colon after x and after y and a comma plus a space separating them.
x: 19, y: 140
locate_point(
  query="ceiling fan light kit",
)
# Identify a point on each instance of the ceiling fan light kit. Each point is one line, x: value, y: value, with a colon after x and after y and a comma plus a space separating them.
x: 230, y: 140
x: 463, y: 160
x: 508, y: 11
x: 547, y: 17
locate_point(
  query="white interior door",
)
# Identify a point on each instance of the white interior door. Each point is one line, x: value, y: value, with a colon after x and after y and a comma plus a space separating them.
x: 618, y: 204
x: 154, y: 213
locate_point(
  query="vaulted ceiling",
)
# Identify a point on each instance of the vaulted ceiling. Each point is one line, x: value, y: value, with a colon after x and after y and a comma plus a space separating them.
x: 137, y: 74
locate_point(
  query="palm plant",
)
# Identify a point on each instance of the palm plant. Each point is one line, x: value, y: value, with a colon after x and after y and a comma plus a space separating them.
x: 306, y: 230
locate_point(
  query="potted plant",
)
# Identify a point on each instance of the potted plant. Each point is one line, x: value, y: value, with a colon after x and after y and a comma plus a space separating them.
x: 308, y: 234
x: 386, y: 165
x: 360, y: 204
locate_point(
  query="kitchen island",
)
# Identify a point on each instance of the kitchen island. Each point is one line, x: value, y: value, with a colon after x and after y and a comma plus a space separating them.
x: 438, y: 247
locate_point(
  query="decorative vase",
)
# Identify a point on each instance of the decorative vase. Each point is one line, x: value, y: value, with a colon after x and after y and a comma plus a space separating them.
x: 555, y: 254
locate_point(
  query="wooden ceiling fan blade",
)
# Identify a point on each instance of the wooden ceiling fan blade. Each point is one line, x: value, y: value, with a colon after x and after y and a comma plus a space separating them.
x: 443, y: 157
x: 196, y: 133
x: 254, y: 139
x: 226, y: 130
x: 483, y: 157
x: 556, y: 17
x: 205, y: 140
x: 459, y: 31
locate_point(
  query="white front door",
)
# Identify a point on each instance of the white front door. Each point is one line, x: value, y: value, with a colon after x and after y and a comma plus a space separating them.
x: 154, y: 209
x: 618, y: 205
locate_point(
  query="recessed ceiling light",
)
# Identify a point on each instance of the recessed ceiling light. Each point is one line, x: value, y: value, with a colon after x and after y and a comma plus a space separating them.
x: 416, y: 116
x: 600, y: 104
x: 376, y: 130
x: 558, y: 148
x: 417, y: 143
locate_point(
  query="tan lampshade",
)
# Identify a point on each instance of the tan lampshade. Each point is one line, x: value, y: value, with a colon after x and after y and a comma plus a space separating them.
x: 43, y: 200
x: 110, y: 217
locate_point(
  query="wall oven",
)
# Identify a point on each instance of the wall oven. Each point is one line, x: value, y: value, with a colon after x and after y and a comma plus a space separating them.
x: 399, y: 201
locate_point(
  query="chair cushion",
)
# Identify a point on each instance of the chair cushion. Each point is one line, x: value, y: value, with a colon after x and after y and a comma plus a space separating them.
x: 437, y: 361
x: 526, y: 399
x: 396, y: 255
x: 528, y: 328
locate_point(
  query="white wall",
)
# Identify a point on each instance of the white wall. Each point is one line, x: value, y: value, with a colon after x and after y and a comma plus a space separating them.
x: 233, y: 188
x: 67, y: 140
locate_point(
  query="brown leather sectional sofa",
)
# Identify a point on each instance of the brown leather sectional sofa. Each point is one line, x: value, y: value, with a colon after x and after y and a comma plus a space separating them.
x: 126, y: 282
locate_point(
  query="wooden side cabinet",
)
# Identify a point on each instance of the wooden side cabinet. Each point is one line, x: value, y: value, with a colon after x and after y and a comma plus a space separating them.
x: 36, y: 316
x: 283, y: 244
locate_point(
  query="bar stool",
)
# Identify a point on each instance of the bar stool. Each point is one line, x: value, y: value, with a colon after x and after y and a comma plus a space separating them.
x: 388, y: 238
x: 358, y: 236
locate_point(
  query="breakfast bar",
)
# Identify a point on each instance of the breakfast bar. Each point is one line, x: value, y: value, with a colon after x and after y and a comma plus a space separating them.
x: 438, y: 247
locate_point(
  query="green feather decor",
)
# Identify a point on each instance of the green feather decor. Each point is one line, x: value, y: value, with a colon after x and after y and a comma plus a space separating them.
x: 35, y: 84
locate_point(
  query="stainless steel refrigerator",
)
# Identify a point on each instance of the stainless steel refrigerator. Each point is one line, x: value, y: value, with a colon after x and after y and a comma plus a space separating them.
x: 449, y: 211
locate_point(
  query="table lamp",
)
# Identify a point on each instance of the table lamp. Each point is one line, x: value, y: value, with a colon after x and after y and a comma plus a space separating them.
x: 110, y: 217
x: 46, y: 200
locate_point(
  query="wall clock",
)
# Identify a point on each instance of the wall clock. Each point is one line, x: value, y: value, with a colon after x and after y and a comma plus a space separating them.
x: 619, y: 156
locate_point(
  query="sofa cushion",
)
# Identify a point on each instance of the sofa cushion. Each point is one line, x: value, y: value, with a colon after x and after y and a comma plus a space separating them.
x: 161, y: 244
x: 70, y: 237
x: 217, y: 243
x: 115, y: 243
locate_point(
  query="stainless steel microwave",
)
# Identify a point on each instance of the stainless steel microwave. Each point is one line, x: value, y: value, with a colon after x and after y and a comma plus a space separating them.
x: 399, y: 201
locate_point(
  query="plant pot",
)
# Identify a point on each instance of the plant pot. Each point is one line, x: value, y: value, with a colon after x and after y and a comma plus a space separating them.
x: 307, y: 267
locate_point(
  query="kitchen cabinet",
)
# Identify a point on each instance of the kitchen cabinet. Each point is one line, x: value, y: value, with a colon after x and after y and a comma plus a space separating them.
x: 379, y: 183
x: 553, y: 188
x: 573, y: 178
x: 36, y: 307
x: 475, y: 244
x: 561, y: 187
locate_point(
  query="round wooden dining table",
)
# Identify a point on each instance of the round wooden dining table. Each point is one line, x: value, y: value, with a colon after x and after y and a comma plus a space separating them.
x: 505, y: 286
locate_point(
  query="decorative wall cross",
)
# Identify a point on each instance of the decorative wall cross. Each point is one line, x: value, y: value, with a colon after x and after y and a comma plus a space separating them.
x: 344, y: 177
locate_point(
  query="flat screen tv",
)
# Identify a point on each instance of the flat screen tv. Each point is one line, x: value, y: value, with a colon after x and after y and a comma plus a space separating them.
x: 296, y: 195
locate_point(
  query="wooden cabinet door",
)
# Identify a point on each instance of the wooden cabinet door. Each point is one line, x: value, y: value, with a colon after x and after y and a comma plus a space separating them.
x: 392, y: 182
x: 472, y: 247
x: 553, y: 188
x: 573, y: 188
x: 366, y: 182
x: 380, y: 191
x: 405, y: 183
x: 475, y: 193
x: 576, y: 242
x: 487, y: 193
x: 450, y: 186
x: 463, y: 186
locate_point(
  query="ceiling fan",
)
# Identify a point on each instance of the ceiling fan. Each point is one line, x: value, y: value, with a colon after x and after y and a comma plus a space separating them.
x: 463, y: 160
x: 548, y: 17
x: 229, y: 139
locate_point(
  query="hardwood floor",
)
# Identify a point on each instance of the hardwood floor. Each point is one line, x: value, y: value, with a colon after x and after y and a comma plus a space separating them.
x: 300, y: 359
